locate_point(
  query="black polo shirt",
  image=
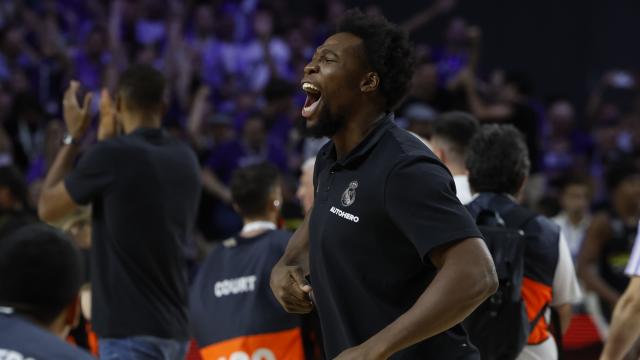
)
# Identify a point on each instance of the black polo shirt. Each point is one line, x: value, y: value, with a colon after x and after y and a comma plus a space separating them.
x: 378, y: 213
x: 144, y: 189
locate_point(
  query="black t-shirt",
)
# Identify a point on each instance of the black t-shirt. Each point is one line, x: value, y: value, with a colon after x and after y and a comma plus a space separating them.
x: 22, y: 340
x: 231, y: 305
x: 377, y: 215
x: 144, y: 189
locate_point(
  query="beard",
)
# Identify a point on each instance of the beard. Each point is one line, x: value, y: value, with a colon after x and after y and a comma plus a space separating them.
x: 328, y: 124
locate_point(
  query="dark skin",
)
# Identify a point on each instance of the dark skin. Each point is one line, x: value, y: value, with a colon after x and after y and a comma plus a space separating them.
x: 351, y: 90
x: 598, y: 235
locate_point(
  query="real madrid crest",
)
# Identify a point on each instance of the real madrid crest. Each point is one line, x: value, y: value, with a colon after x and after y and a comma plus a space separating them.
x: 349, y: 195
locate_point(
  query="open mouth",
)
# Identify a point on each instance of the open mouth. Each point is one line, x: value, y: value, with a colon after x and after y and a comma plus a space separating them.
x: 313, y: 99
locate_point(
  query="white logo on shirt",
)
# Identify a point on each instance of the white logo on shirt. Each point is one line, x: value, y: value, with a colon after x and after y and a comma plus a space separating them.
x: 235, y: 286
x: 349, y: 195
x: 344, y: 215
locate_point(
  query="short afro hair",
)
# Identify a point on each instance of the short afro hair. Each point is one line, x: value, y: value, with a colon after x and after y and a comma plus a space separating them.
x: 143, y: 87
x: 498, y: 160
x: 387, y: 50
x: 251, y: 187
x: 40, y: 272
x: 457, y: 128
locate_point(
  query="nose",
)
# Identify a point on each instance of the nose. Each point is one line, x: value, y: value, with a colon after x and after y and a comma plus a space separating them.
x: 311, y: 68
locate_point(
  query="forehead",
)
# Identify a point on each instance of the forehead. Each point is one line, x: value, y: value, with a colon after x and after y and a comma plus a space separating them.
x: 342, y: 43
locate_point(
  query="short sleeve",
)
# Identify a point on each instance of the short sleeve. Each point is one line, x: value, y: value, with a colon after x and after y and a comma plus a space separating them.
x: 421, y: 201
x: 92, y: 175
x: 633, y: 267
x: 566, y: 289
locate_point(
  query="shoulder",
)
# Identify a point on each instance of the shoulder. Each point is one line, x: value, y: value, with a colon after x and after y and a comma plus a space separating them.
x: 545, y: 229
x: 36, y: 340
x: 408, y: 153
x: 405, y: 143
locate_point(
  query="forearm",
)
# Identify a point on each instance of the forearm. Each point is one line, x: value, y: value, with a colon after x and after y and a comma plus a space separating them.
x: 625, y: 328
x: 61, y: 166
x: 594, y: 282
x: 435, y: 312
x: 51, y: 206
x: 215, y: 187
x: 297, y: 252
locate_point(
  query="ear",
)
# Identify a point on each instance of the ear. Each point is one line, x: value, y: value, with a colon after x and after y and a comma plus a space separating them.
x: 370, y: 82
x: 72, y: 317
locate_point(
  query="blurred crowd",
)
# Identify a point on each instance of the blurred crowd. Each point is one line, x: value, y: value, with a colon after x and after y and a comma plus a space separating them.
x: 234, y: 68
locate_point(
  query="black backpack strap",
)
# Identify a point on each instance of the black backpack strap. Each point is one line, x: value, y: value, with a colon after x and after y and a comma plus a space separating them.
x: 518, y: 216
x: 536, y: 320
x: 557, y: 332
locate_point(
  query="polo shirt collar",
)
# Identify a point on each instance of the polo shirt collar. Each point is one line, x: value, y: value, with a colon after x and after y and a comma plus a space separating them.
x: 148, y: 131
x: 365, y: 146
x: 494, y: 201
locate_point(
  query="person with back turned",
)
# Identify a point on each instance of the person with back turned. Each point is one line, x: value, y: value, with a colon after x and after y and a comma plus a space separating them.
x: 144, y: 187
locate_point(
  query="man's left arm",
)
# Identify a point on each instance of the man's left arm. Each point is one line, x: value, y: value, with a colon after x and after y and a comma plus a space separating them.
x: 421, y: 201
x: 453, y: 294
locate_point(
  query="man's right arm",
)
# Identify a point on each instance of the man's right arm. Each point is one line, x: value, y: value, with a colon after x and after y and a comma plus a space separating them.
x: 288, y: 282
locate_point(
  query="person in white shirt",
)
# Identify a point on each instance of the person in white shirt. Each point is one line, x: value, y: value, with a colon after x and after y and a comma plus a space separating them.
x: 625, y: 325
x: 452, y: 133
x: 574, y: 218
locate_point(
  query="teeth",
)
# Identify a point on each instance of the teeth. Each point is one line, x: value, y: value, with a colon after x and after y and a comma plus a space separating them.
x: 310, y: 88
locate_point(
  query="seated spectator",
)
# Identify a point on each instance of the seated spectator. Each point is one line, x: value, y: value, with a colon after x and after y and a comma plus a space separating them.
x: 565, y: 146
x: 420, y: 119
x: 40, y: 276
x: 452, y: 133
x: 232, y: 308
x: 574, y: 218
x: 609, y: 240
x: 498, y: 165
x: 252, y: 148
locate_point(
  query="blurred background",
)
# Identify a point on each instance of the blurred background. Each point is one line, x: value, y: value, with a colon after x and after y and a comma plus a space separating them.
x: 566, y: 70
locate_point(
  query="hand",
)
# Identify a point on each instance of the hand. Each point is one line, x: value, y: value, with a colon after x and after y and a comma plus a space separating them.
x: 361, y: 352
x: 291, y: 289
x: 108, y: 126
x: 75, y: 117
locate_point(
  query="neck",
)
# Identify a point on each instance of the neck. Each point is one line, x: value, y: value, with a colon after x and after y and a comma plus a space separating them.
x: 133, y: 122
x: 575, y: 218
x: 457, y: 169
x: 58, y: 326
x: 355, y: 130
